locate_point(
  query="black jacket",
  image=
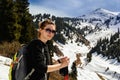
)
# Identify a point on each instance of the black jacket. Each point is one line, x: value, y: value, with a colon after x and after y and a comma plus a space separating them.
x: 37, y: 58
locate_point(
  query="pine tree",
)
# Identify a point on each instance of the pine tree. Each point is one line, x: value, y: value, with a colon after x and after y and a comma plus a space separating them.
x: 89, y: 57
x: 9, y: 29
x: 73, y: 73
x: 25, y: 20
x: 118, y: 31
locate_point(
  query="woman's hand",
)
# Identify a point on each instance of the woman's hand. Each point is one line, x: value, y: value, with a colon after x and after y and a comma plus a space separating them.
x: 64, y: 61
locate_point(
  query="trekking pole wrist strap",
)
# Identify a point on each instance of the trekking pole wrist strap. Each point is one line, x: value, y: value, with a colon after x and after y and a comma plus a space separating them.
x: 59, y: 61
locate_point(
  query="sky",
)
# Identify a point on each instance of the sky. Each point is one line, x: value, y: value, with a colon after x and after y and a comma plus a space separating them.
x: 71, y: 8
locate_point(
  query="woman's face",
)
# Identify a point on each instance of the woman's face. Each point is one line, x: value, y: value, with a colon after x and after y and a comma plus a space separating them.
x: 48, y: 32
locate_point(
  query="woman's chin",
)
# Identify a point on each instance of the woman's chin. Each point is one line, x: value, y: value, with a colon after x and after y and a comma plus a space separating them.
x: 49, y: 38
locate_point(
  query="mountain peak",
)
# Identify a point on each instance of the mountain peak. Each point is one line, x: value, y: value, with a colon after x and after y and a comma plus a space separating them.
x: 100, y: 9
x: 104, y: 11
x: 100, y: 13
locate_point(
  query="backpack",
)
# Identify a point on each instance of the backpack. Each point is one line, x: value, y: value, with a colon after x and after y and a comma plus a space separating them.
x: 18, y: 67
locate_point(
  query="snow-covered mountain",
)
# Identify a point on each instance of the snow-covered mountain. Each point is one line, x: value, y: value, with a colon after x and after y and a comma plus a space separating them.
x: 100, y: 14
x: 100, y: 17
x: 113, y: 22
x: 97, y: 23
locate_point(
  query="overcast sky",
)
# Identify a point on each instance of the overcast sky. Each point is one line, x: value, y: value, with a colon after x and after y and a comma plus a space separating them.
x: 71, y: 8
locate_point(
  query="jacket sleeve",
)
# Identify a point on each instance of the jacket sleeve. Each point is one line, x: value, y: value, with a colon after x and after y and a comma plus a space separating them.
x: 38, y: 59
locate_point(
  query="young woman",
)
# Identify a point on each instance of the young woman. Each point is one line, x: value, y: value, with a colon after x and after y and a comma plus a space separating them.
x: 37, y: 56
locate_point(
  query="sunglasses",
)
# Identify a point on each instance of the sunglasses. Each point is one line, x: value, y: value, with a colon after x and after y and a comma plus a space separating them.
x: 50, y: 31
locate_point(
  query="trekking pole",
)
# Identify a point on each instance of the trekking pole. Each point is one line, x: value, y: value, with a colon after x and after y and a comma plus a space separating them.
x: 64, y: 71
x: 66, y: 77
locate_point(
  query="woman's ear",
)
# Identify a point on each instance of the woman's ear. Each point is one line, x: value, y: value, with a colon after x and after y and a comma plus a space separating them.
x: 39, y: 29
x: 39, y: 32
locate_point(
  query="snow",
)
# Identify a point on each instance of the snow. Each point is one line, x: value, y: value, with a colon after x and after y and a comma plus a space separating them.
x: 100, y: 13
x: 4, y: 72
x: 98, y: 65
x: 93, y: 37
x: 86, y: 75
x: 4, y: 67
x: 101, y: 10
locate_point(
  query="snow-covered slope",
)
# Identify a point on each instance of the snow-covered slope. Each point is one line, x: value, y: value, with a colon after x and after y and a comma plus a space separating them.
x: 115, y: 20
x: 4, y: 67
x: 96, y: 68
x: 104, y: 33
x: 100, y: 13
x: 108, y: 69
